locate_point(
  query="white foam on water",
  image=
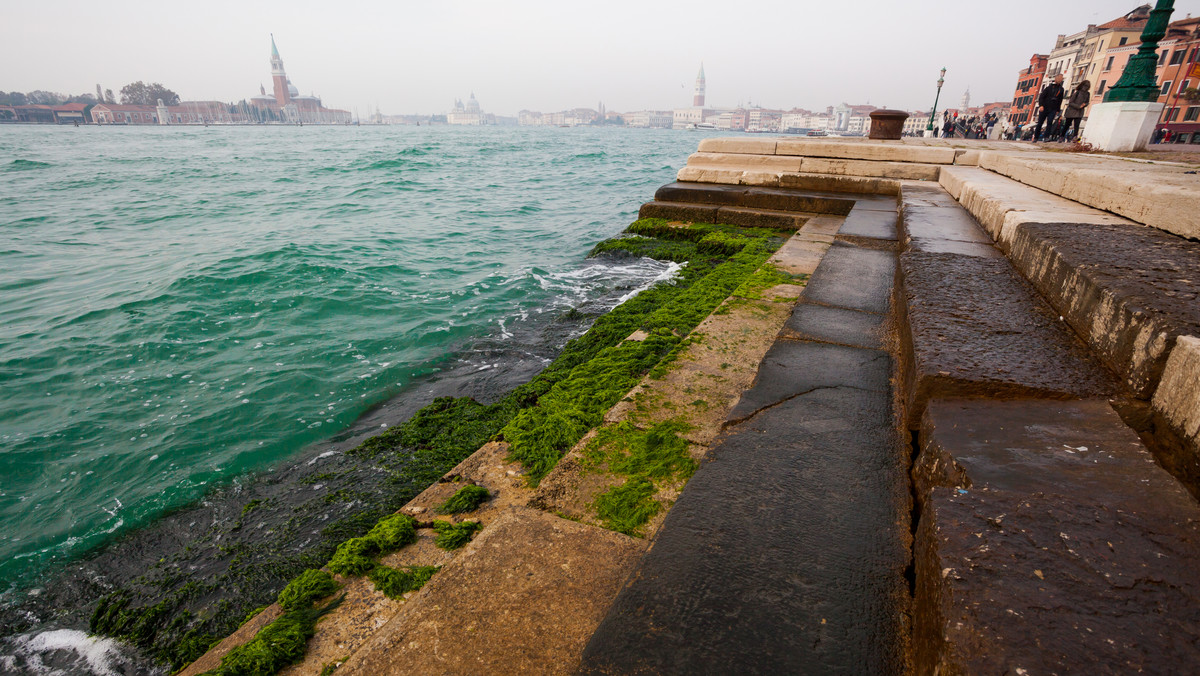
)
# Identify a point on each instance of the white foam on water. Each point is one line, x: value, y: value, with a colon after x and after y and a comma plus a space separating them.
x: 49, y: 652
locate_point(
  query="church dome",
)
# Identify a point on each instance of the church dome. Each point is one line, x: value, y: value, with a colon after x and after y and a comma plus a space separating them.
x: 292, y: 91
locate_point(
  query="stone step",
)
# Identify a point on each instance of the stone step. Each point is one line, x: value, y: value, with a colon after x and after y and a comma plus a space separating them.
x: 777, y: 178
x: 1160, y: 195
x: 842, y: 149
x: 1050, y: 542
x: 974, y: 327
x: 786, y: 551
x: 775, y: 199
x: 913, y: 171
x: 523, y: 597
x: 707, y: 213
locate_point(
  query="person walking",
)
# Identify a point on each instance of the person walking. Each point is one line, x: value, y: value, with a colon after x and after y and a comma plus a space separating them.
x: 1075, y: 107
x: 1049, y: 105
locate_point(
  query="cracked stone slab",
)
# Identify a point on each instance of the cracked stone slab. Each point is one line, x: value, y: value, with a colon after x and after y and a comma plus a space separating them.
x: 1050, y: 542
x: 854, y: 277
x: 976, y: 329
x: 840, y: 326
x: 792, y: 368
x: 785, y: 553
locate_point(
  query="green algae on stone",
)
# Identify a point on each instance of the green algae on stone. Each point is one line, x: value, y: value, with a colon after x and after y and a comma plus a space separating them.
x: 656, y: 453
x: 309, y: 586
x: 395, y: 583
x: 451, y: 536
x: 277, y: 645
x: 466, y: 499
x: 626, y: 508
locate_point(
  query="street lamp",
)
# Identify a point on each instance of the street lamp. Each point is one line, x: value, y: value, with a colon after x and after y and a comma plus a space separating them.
x: 933, y: 113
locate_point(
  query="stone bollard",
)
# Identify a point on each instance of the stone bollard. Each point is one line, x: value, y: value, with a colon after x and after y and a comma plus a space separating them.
x: 887, y: 125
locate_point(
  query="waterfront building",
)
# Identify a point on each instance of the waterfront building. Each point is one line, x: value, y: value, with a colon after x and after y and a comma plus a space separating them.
x: 650, y: 119
x: 468, y: 114
x: 1061, y: 60
x: 286, y: 104
x: 916, y: 123
x: 187, y: 112
x: 1029, y: 85
x: 1095, y: 63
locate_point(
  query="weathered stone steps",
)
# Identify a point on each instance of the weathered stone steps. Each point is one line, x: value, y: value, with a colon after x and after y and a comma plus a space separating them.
x: 786, y: 551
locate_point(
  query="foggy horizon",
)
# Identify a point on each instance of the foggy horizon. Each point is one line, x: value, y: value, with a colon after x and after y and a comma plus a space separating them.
x: 545, y: 56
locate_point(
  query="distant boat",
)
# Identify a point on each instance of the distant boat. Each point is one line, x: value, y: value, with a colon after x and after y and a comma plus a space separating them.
x: 816, y: 132
x: 705, y: 126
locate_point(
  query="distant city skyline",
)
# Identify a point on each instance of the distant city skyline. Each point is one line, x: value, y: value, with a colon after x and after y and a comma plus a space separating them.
x: 545, y: 56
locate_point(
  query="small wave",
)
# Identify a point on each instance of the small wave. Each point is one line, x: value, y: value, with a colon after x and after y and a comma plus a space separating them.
x: 62, y: 651
x: 26, y: 165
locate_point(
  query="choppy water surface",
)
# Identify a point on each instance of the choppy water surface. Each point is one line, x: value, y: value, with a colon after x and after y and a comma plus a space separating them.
x: 181, y: 306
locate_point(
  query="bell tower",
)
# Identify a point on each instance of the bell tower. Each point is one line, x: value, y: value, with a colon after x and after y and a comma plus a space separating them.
x: 278, y: 76
x: 698, y: 92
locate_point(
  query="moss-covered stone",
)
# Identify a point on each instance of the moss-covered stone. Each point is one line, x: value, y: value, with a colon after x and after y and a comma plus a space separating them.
x: 309, y: 586
x: 395, y: 583
x: 451, y: 536
x: 466, y: 499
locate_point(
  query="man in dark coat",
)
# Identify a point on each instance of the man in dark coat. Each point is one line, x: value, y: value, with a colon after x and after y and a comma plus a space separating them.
x: 1049, y: 103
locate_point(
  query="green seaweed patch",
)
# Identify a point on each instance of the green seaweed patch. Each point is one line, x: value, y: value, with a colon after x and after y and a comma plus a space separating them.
x: 309, y: 586
x: 396, y: 582
x: 276, y: 645
x: 721, y: 243
x: 656, y: 453
x: 356, y: 555
x: 626, y: 508
x: 451, y: 536
x: 254, y: 613
x: 766, y: 277
x: 466, y: 499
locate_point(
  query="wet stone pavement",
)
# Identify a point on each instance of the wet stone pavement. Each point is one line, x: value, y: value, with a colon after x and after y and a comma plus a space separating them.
x: 788, y: 549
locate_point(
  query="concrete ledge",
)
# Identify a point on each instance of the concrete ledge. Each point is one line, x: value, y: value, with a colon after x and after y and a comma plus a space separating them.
x: 844, y: 184
x: 1128, y: 290
x: 776, y: 199
x: 1050, y: 542
x: 1156, y: 195
x: 677, y: 211
x: 743, y: 161
x: 904, y: 171
x: 886, y: 152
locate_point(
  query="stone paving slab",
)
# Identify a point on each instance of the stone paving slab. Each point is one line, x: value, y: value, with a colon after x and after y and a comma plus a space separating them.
x: 975, y: 328
x: 1050, y: 542
x: 523, y: 597
x: 933, y: 225
x: 871, y: 224
x: 1129, y: 290
x: 882, y: 152
x: 786, y: 552
x: 854, y: 277
x: 840, y: 184
x: 820, y: 323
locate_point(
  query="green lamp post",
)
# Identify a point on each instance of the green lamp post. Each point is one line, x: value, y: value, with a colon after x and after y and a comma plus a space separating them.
x: 1139, y: 81
x: 933, y: 113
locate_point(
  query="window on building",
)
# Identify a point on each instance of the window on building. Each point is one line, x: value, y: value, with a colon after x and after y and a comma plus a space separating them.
x: 1166, y: 88
x: 1174, y: 115
x: 1177, y: 57
x: 1192, y: 115
x: 1108, y: 66
x: 1122, y: 42
x: 1162, y: 58
x: 1184, y: 85
x: 1100, y: 89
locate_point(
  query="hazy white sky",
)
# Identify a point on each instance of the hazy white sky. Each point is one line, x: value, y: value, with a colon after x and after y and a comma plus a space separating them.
x: 417, y: 57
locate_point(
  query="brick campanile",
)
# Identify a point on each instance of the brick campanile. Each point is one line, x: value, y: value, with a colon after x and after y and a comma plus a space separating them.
x: 698, y: 92
x: 278, y: 76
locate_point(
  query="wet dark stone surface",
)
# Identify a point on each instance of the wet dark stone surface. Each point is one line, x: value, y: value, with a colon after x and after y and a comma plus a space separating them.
x: 937, y: 224
x: 786, y: 552
x: 1050, y: 542
x: 778, y: 199
x: 693, y: 213
x: 977, y: 329
x: 760, y: 218
x: 1117, y: 285
x: 875, y: 224
x: 835, y: 325
x: 854, y: 277
x: 932, y: 195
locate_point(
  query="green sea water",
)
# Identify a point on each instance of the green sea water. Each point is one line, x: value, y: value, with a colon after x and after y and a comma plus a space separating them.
x: 181, y: 306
